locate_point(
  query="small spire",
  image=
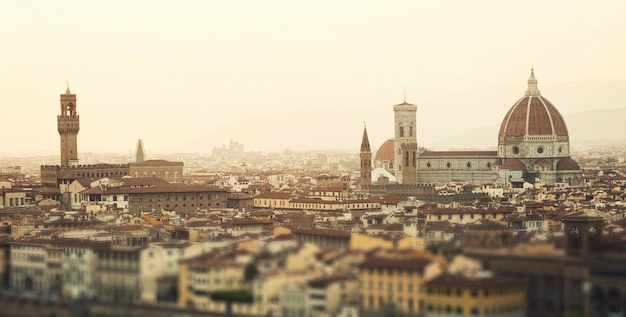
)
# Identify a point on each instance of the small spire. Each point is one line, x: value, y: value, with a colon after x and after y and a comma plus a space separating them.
x: 67, y: 91
x: 404, y: 94
x: 532, y: 84
x: 365, y: 142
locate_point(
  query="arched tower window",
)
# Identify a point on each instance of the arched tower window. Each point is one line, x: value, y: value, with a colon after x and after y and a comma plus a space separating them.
x: 401, y: 131
x: 411, y: 131
x: 414, y: 159
x: 406, y: 158
x: 575, y: 239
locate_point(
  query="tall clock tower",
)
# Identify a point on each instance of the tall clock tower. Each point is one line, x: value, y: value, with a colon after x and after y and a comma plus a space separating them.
x: 405, y: 126
x: 68, y: 124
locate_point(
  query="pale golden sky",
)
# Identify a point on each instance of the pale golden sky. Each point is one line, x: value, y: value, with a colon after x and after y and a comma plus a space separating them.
x: 186, y: 76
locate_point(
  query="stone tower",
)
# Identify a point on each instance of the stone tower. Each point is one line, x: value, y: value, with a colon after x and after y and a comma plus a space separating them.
x: 68, y: 124
x: 140, y: 153
x: 583, y: 235
x: 366, y: 160
x: 409, y: 163
x: 405, y: 131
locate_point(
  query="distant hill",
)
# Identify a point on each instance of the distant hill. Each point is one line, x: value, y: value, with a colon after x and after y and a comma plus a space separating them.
x: 593, y: 127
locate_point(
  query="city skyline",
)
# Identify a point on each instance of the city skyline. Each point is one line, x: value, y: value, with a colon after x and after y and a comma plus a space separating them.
x: 187, y: 77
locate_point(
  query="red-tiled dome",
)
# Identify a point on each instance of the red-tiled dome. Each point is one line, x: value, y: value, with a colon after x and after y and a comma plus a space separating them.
x: 386, y: 152
x: 533, y: 115
x: 513, y: 164
x: 567, y: 164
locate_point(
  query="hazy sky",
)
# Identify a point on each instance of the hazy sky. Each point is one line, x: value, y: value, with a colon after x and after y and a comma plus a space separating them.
x: 186, y: 76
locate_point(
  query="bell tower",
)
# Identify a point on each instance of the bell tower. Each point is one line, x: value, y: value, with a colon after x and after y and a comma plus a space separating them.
x: 366, y: 160
x: 68, y: 124
x: 405, y: 132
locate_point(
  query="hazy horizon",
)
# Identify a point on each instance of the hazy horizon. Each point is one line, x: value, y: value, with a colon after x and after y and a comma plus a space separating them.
x: 304, y: 75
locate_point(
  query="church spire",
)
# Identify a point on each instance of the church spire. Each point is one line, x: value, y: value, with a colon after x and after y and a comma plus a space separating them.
x: 532, y: 85
x: 67, y: 90
x: 366, y: 159
x: 365, y: 143
x: 140, y: 153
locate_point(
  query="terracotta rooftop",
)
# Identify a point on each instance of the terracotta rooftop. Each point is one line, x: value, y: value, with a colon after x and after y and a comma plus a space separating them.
x: 322, y: 232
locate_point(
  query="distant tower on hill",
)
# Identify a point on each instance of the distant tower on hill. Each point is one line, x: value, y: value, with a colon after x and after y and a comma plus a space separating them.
x: 68, y: 124
x: 366, y: 160
x: 140, y: 154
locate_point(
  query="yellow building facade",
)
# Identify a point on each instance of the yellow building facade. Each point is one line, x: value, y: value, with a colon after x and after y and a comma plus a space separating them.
x: 394, y: 284
x: 462, y: 295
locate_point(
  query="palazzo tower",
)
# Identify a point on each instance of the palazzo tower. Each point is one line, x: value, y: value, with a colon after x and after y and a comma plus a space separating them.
x: 68, y: 124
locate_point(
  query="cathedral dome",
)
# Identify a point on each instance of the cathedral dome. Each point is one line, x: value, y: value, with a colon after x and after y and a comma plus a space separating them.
x: 386, y: 152
x: 532, y: 115
x: 513, y: 165
x: 567, y: 164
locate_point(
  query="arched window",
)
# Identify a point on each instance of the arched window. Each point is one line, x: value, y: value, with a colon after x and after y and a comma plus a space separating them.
x: 414, y: 159
x: 411, y: 131
x: 401, y: 131
x: 167, y: 176
x: 176, y: 177
x: 406, y: 158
